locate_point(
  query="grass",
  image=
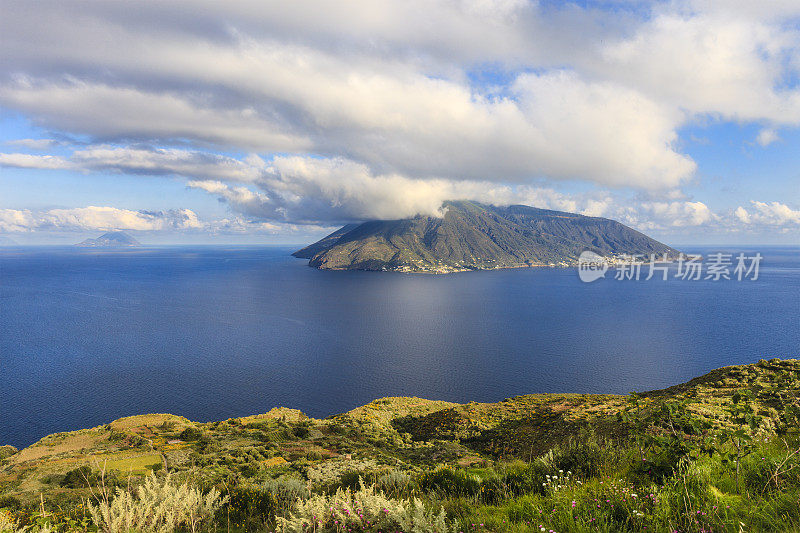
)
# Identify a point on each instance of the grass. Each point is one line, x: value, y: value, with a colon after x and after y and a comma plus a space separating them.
x: 720, y: 453
x: 139, y: 465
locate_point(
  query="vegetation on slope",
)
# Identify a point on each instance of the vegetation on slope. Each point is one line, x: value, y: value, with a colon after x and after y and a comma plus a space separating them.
x: 720, y: 453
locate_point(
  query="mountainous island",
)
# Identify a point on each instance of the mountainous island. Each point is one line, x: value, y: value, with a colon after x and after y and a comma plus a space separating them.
x: 719, y: 453
x: 112, y: 239
x: 474, y: 236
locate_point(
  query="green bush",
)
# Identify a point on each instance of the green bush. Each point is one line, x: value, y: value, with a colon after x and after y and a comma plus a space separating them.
x: 249, y: 507
x: 450, y: 482
x: 79, y: 478
x: 395, y: 483
x: 302, y: 430
x: 191, y: 433
x: 10, y: 502
x: 584, y: 459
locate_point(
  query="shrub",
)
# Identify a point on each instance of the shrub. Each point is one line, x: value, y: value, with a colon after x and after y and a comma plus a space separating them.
x: 353, y: 478
x: 7, y: 451
x: 10, y: 502
x: 394, y: 483
x: 450, y: 482
x: 158, y: 505
x: 287, y: 489
x: 80, y: 477
x: 660, y: 464
x: 249, y: 507
x: 314, y: 456
x: 364, y: 510
x: 584, y: 459
x: 8, y: 525
x: 191, y: 433
x: 302, y: 430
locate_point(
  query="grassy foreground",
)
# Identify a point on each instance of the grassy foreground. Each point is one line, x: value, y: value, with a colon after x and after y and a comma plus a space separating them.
x: 720, y: 453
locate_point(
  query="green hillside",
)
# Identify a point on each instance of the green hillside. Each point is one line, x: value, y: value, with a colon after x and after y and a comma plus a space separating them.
x: 719, y: 453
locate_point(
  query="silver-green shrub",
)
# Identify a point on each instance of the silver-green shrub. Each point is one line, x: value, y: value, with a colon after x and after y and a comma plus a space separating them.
x: 157, y: 506
x: 363, y: 510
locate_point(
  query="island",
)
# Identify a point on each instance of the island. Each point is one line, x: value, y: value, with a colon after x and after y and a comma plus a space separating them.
x: 112, y: 239
x: 475, y: 236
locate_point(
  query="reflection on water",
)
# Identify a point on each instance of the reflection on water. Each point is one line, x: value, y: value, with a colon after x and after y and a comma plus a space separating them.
x: 210, y: 333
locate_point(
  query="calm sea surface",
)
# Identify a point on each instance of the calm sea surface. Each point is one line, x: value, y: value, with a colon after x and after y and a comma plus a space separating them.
x: 89, y: 336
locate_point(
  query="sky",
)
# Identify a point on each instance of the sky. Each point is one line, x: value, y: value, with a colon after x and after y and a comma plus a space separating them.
x: 276, y: 122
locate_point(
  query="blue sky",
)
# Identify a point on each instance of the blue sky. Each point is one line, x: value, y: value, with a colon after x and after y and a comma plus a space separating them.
x: 274, y: 123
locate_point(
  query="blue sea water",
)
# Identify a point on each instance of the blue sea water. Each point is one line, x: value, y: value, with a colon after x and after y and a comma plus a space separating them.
x: 88, y: 336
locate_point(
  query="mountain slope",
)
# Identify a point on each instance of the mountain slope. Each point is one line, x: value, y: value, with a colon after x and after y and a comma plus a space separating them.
x: 474, y: 236
x: 111, y: 239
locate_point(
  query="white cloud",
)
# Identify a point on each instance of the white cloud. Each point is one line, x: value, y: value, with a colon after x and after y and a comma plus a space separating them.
x: 716, y: 62
x: 104, y: 218
x: 16, y: 220
x: 144, y: 160
x: 156, y: 161
x: 662, y: 216
x: 768, y: 214
x: 49, y: 162
x: 108, y: 112
x: 554, y: 125
x: 328, y: 191
x: 111, y: 218
x: 742, y: 215
x: 34, y: 144
x: 388, y: 108
x: 767, y: 136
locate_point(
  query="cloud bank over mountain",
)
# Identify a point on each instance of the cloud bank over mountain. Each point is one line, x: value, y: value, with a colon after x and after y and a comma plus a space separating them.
x: 385, y: 109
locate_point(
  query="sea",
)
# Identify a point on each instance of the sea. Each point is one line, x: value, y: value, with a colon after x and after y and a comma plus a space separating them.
x: 88, y: 335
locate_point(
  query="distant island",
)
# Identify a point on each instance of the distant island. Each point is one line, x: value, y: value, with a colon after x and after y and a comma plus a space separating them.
x: 7, y: 241
x: 112, y: 239
x: 474, y: 236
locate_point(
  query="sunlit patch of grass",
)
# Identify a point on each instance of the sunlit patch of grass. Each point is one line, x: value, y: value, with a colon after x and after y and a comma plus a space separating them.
x: 141, y: 464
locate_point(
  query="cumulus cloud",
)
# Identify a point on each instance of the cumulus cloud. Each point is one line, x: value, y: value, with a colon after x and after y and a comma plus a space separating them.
x: 768, y: 214
x: 386, y: 109
x: 318, y: 190
x: 716, y: 61
x: 104, y: 218
x: 277, y: 195
x: 767, y: 136
x: 144, y: 160
x: 234, y: 86
x: 664, y: 215
x: 97, y: 218
x: 313, y: 190
x: 49, y: 162
x: 34, y: 144
x: 126, y: 113
x: 291, y: 189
